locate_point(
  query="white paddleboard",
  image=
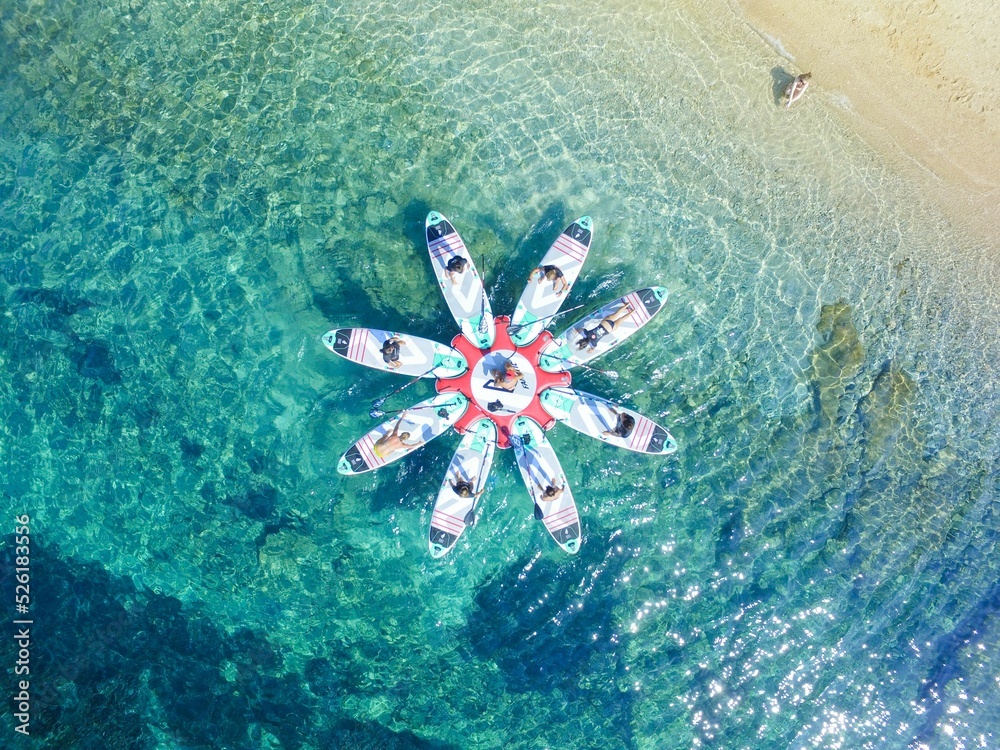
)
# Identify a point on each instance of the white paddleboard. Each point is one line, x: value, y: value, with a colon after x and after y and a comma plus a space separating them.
x: 543, y: 297
x: 463, y: 290
x: 471, y: 462
x: 538, y: 465
x: 417, y: 357
x: 594, y: 416
x: 576, y: 344
x: 423, y: 421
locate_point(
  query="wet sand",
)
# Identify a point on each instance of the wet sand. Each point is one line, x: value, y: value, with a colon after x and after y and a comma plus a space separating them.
x: 918, y: 79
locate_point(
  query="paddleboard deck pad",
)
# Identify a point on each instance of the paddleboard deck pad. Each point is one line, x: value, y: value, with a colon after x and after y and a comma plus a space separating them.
x: 568, y: 348
x: 541, y: 299
x: 593, y: 416
x: 538, y: 465
x: 463, y: 290
x: 417, y: 357
x: 471, y: 462
x: 424, y: 421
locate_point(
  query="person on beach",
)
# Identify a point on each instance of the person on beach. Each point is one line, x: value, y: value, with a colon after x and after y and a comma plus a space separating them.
x: 797, y: 88
x: 549, y: 491
x: 390, y: 351
x: 590, y: 339
x: 456, y: 267
x: 394, y: 441
x: 553, y: 274
x: 507, y: 377
x: 623, y: 428
x: 463, y: 487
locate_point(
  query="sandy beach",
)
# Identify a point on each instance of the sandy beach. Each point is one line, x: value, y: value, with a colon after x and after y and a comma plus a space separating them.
x: 920, y: 80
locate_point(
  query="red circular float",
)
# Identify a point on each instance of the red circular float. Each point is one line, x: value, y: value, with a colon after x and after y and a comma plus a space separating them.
x: 486, y: 398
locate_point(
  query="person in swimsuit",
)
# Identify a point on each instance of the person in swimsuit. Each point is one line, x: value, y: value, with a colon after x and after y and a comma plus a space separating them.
x: 553, y: 274
x: 394, y: 441
x: 624, y: 427
x: 456, y: 267
x: 797, y: 88
x: 549, y: 492
x: 390, y: 351
x: 464, y: 488
x: 508, y: 377
x: 591, y: 338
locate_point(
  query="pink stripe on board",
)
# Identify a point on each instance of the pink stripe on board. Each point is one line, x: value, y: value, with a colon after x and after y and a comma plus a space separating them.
x: 570, y: 247
x: 447, y: 522
x: 442, y: 246
x: 562, y: 519
x: 639, y: 314
x: 366, y: 447
x: 359, y: 336
x: 641, y: 435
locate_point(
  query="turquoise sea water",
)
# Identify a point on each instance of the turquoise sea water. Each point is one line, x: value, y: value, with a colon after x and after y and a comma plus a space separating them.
x: 191, y: 194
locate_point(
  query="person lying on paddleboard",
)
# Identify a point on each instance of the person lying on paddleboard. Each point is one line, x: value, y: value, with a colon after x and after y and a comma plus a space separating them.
x: 456, y: 267
x: 390, y: 351
x: 549, y: 492
x: 797, y: 88
x: 508, y: 377
x: 591, y: 338
x: 394, y: 441
x: 464, y: 488
x: 553, y: 274
x: 626, y: 422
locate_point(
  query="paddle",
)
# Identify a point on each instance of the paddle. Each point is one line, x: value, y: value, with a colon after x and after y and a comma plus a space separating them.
x: 610, y: 373
x: 442, y: 409
x: 376, y: 410
x: 470, y: 517
x: 519, y: 442
x: 519, y: 326
x: 482, y: 308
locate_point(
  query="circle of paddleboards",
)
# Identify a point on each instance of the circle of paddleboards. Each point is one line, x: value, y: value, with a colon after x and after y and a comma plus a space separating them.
x: 396, y: 352
x: 605, y: 421
x: 601, y: 331
x: 544, y: 295
x: 459, y: 281
x: 403, y: 434
x: 540, y: 469
x: 464, y: 482
x: 502, y: 383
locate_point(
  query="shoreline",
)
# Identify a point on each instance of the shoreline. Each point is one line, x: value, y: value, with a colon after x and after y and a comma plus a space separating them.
x: 936, y: 112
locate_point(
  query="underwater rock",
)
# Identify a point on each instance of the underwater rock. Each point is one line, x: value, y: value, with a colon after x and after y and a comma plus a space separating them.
x: 112, y: 651
x: 257, y: 504
x: 836, y: 360
x: 884, y: 412
x: 97, y: 362
x: 191, y: 449
x: 284, y: 553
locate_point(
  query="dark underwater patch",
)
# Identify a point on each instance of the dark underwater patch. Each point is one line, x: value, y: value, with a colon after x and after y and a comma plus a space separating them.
x: 110, y: 660
x: 530, y: 625
x: 95, y: 360
x: 257, y: 504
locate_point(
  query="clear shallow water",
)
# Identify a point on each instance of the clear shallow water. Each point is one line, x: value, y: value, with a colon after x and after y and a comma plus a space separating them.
x: 192, y: 194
